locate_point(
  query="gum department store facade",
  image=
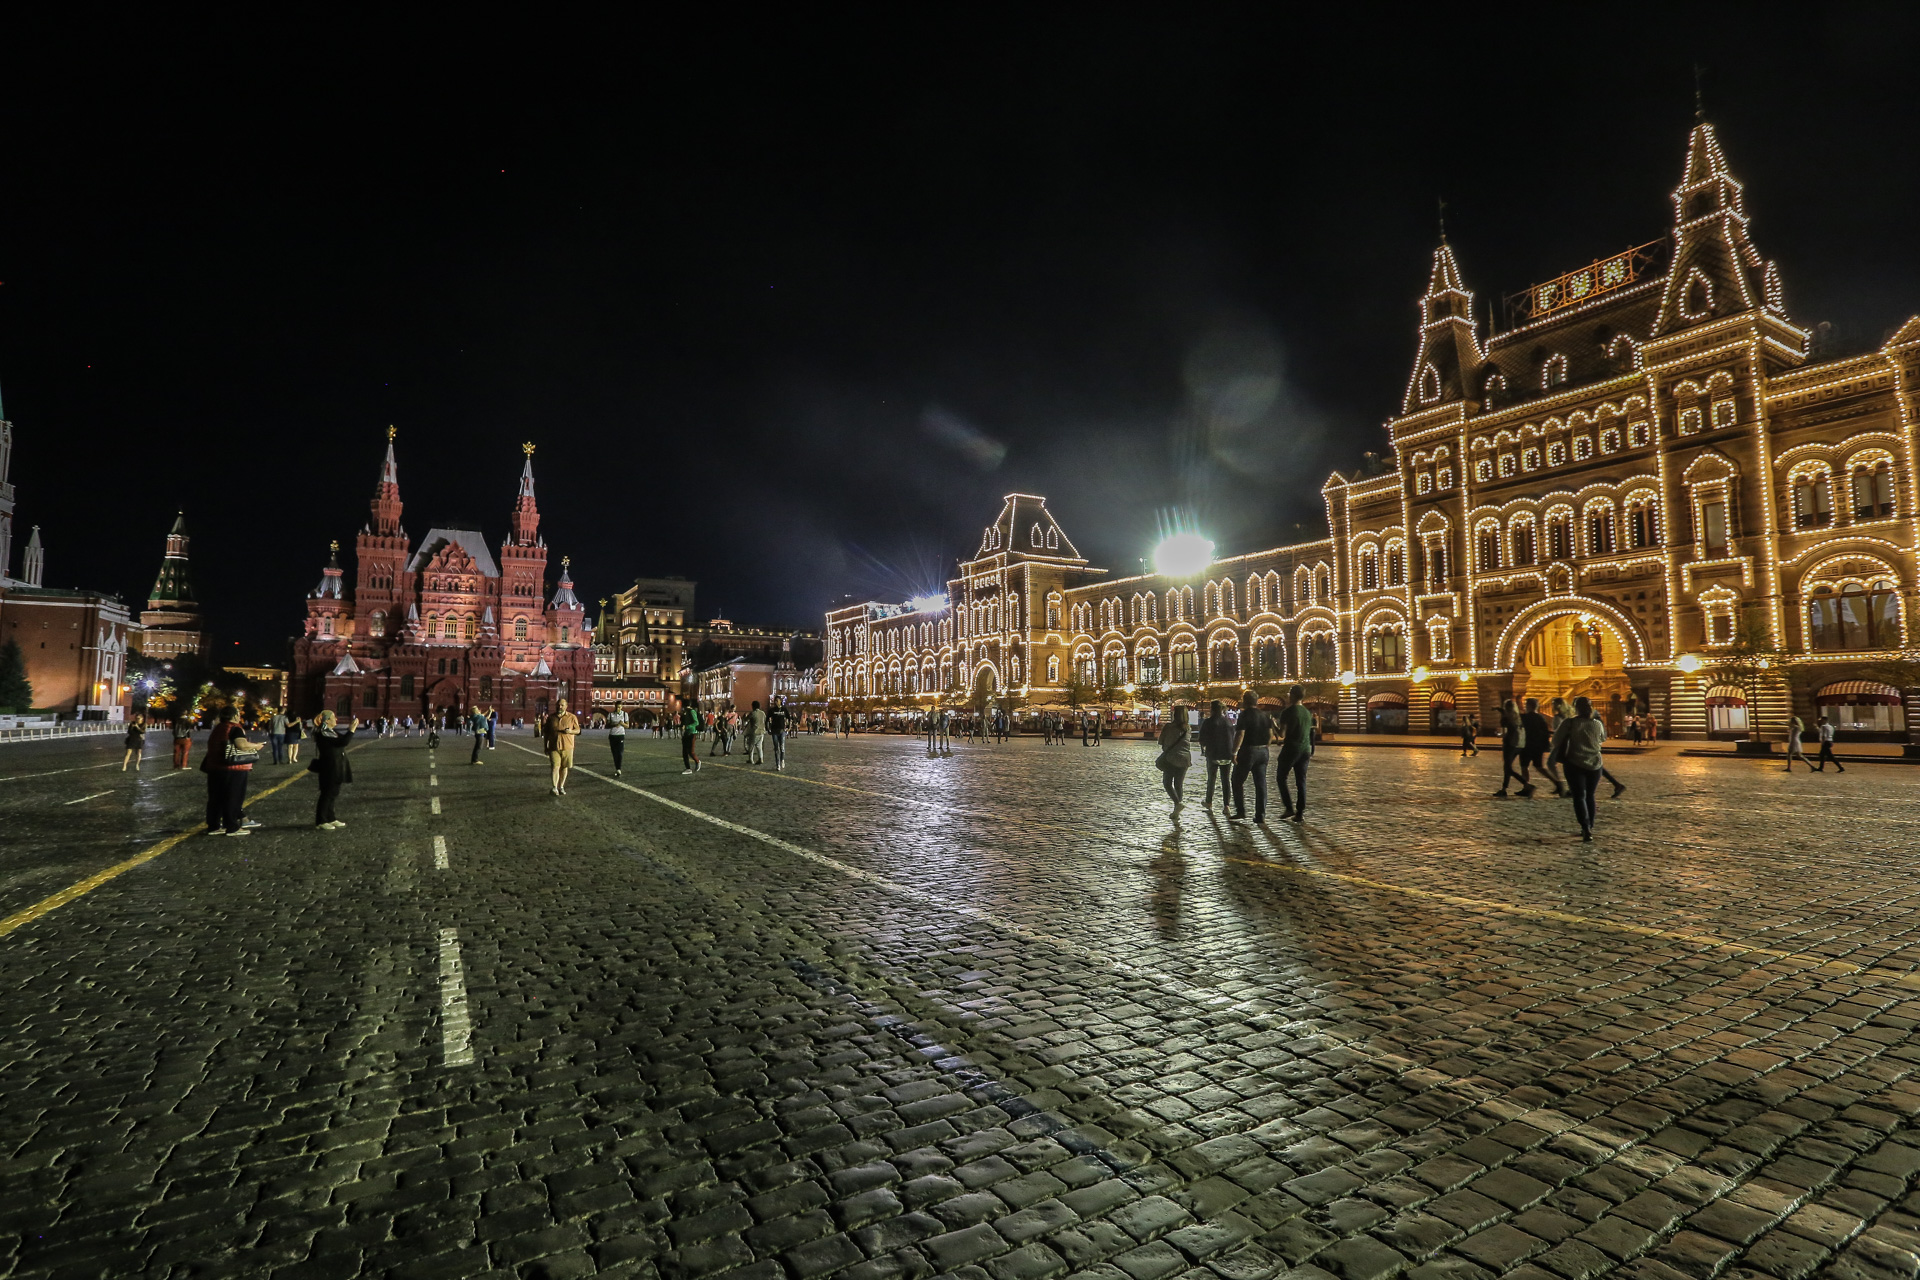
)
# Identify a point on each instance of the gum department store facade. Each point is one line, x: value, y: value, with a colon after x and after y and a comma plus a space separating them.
x: 1586, y: 503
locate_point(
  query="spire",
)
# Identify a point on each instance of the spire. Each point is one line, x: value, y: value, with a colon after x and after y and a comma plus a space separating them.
x: 33, y: 562
x: 563, y: 597
x: 1449, y: 360
x: 1716, y: 271
x: 526, y: 514
x: 172, y: 585
x: 330, y: 587
x: 386, y: 495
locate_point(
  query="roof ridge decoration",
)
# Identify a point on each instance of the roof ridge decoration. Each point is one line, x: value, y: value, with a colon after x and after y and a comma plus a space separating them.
x: 1715, y: 270
x: 1449, y: 357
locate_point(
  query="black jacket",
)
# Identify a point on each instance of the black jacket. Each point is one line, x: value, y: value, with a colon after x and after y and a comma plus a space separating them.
x: 1216, y: 737
x: 331, y: 762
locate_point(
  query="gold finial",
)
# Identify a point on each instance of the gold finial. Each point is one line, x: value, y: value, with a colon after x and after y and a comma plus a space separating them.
x: 565, y: 561
x: 603, y: 602
x: 527, y: 448
x: 334, y: 546
x: 392, y: 431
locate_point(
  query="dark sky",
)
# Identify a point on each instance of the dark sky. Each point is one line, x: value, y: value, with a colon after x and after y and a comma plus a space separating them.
x: 788, y: 307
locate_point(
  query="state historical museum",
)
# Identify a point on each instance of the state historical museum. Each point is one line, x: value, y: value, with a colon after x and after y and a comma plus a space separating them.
x: 441, y: 628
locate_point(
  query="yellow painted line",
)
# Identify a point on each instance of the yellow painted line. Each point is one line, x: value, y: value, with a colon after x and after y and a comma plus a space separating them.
x: 47, y: 906
x: 1811, y: 960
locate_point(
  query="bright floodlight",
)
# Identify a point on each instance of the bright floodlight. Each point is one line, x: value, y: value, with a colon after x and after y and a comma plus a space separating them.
x: 927, y: 604
x: 1182, y: 555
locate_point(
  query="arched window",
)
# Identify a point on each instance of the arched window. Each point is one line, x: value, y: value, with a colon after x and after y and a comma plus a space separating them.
x: 1226, y: 597
x: 1396, y: 564
x: 1423, y: 483
x: 1556, y: 453
x: 1812, y: 498
x: 1037, y: 538
x: 1369, y: 570
x: 520, y: 628
x: 1560, y: 535
x: 1854, y: 614
x: 1554, y: 372
x: 1873, y: 491
x: 1521, y: 536
x: 1487, y: 546
x: 1386, y: 652
x: 1429, y: 384
x: 1446, y: 478
x: 1436, y: 554
x: 1600, y: 531
x: 1640, y: 523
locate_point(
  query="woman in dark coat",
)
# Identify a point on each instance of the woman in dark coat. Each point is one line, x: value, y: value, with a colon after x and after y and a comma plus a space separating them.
x: 330, y: 764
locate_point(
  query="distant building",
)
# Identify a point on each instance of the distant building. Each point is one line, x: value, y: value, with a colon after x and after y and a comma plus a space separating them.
x: 170, y: 624
x: 648, y: 648
x: 74, y: 642
x: 275, y: 678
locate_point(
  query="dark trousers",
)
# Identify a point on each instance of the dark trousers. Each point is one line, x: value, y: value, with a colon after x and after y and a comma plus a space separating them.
x: 1253, y: 760
x: 479, y: 741
x: 278, y: 741
x: 1223, y: 770
x: 1507, y: 756
x: 617, y: 745
x: 329, y: 792
x: 687, y: 758
x: 216, y: 799
x: 1536, y: 761
x: 1583, y: 783
x: 1297, y: 801
x: 1826, y: 754
x: 1174, y: 781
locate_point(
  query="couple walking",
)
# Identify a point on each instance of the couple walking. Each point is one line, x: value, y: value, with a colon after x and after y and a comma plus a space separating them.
x: 1244, y: 744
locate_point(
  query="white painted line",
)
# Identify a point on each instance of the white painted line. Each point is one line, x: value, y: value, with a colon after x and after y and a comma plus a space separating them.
x: 456, y: 1029
x: 439, y: 853
x: 436, y: 804
x: 433, y: 779
x: 83, y: 799
x: 79, y: 768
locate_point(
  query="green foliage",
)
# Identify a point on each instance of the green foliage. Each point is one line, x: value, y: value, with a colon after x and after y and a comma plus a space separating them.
x: 16, y: 692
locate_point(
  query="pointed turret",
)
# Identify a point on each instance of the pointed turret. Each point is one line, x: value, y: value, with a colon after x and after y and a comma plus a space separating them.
x: 1716, y: 271
x: 526, y: 514
x: 386, y: 495
x: 171, y: 586
x: 563, y: 597
x: 33, y: 563
x: 566, y: 616
x: 1448, y: 364
x: 331, y: 587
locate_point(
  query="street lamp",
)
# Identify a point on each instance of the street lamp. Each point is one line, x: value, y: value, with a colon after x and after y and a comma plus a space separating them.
x: 1182, y: 555
x: 1689, y: 663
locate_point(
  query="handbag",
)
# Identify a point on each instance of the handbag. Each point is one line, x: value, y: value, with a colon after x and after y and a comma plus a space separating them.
x: 240, y: 751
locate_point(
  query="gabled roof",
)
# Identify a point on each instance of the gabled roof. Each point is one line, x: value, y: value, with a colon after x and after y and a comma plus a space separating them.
x: 1025, y: 529
x: 468, y: 540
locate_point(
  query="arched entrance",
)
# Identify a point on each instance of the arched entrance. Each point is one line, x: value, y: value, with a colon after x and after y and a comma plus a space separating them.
x: 1573, y: 655
x: 1387, y: 713
x: 1444, y: 717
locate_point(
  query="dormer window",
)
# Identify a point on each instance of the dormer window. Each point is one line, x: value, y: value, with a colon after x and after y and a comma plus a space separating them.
x: 1037, y: 538
x: 1496, y: 386
x: 1429, y: 384
x: 1553, y: 373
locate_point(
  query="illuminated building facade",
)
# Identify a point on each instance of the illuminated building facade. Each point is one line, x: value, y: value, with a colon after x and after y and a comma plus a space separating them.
x: 1645, y: 467
x: 170, y: 624
x: 440, y: 627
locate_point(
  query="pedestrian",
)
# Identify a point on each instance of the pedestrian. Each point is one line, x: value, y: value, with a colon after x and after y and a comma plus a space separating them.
x: 1252, y: 732
x: 690, y: 738
x: 1826, y: 747
x: 933, y: 731
x: 1653, y: 729
x: 135, y: 743
x: 756, y: 734
x: 1216, y: 752
x: 1536, y: 736
x: 331, y: 766
x: 1634, y: 729
x: 559, y: 732
x: 1296, y: 749
x: 777, y: 730
x: 1510, y: 745
x: 1085, y: 724
x: 182, y: 739
x: 228, y: 764
x: 617, y: 737
x: 1176, y: 757
x: 1795, y: 728
x: 1469, y: 735
x: 493, y: 722
x: 477, y: 722
x: 296, y: 730
x: 1577, y: 747
x: 277, y: 735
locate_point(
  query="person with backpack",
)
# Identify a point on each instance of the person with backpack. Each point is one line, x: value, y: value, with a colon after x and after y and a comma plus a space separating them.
x: 1296, y: 749
x: 1577, y: 746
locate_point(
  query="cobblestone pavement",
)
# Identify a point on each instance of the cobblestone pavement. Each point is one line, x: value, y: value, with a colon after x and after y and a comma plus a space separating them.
x: 989, y: 1015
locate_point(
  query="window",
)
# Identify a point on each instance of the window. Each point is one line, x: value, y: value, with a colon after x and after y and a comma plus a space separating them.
x: 1226, y: 662
x: 1873, y: 492
x: 1186, y: 666
x: 1854, y: 616
x: 519, y: 628
x: 1556, y: 453
x: 1588, y: 650
x: 1724, y: 413
x: 1530, y: 459
x: 1322, y: 663
x: 1149, y: 668
x: 1812, y: 502
x: 1508, y: 465
x: 1690, y: 421
x: 1446, y: 477
x: 1523, y: 548
x: 370, y: 697
x: 1386, y: 652
x: 1610, y: 441
x: 563, y: 634
x: 1713, y: 526
x: 1266, y: 659
x: 442, y: 668
x: 1600, y: 532
x: 1439, y: 639
x: 1489, y: 550
x: 1638, y: 433
x: 1429, y: 384
x: 1053, y: 615
x: 1640, y: 525
x: 1582, y: 448
x: 406, y: 686
x: 1554, y: 372
x: 486, y: 686
x: 466, y: 629
x: 377, y: 625
x: 1483, y: 469
x: 1437, y: 564
x: 1369, y: 570
x: 1397, y: 565
x: 1560, y: 536
x: 1423, y: 483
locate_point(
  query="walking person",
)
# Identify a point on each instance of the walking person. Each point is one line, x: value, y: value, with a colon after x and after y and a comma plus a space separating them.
x: 135, y: 743
x: 777, y: 731
x: 296, y: 730
x: 493, y: 721
x: 1826, y: 728
x: 617, y: 737
x: 558, y: 732
x: 1795, y: 728
x: 1296, y: 749
x: 1252, y: 734
x: 933, y: 731
x: 1216, y: 752
x: 689, y: 738
x: 228, y: 764
x: 182, y: 739
x: 1469, y: 735
x: 1576, y: 745
x: 477, y: 723
x: 331, y: 766
x: 277, y: 735
x: 1176, y: 757
x: 1510, y: 745
x: 756, y: 734
x: 1536, y: 736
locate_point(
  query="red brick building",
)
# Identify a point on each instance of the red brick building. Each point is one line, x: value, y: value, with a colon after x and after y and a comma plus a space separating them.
x: 439, y: 627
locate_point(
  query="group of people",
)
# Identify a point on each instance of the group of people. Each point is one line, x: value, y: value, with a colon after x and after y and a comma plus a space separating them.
x: 1238, y: 749
x: 230, y: 757
x: 1571, y: 740
x: 763, y: 727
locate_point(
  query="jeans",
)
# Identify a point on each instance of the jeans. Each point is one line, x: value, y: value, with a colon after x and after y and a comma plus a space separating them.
x: 478, y: 742
x: 1223, y: 769
x: 1253, y: 761
x: 1583, y: 783
x: 329, y: 792
x: 278, y: 741
x: 687, y: 743
x: 1296, y: 802
x: 1508, y: 754
x: 617, y: 743
x: 1174, y: 781
x: 779, y: 750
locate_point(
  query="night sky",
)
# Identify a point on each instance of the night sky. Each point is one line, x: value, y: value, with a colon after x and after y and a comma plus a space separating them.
x: 788, y: 307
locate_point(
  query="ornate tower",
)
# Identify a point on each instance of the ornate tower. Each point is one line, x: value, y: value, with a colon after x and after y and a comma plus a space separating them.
x: 523, y: 576
x: 566, y: 616
x: 381, y: 555
x: 327, y: 615
x: 1450, y: 357
x: 170, y: 624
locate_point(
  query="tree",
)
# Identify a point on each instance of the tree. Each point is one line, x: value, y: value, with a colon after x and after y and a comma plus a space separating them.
x: 16, y: 691
x: 1154, y: 693
x: 1751, y: 663
x: 1077, y: 689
